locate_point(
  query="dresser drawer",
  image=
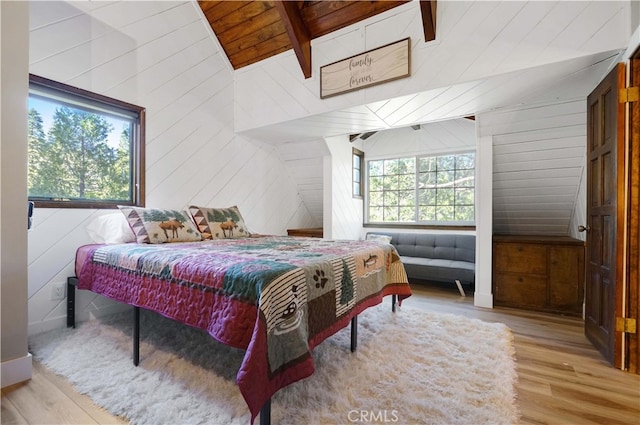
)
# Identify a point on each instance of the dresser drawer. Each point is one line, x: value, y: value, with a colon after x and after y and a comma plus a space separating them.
x: 537, y: 272
x: 520, y: 290
x: 520, y: 258
x: 566, y: 274
x: 314, y: 232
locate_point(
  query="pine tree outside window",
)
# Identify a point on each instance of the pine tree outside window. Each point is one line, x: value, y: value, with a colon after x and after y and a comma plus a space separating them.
x: 85, y: 150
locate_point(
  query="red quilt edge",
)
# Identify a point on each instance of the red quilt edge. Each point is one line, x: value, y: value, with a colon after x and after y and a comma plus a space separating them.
x: 249, y: 382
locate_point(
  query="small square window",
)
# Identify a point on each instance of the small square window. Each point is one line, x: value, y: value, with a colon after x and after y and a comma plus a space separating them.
x: 358, y: 181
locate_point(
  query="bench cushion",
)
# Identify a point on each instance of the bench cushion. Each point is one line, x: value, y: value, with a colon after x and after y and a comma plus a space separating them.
x: 445, y: 246
x: 438, y: 257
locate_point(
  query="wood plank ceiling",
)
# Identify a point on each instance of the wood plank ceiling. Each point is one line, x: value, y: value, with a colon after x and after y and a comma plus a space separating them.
x: 250, y: 31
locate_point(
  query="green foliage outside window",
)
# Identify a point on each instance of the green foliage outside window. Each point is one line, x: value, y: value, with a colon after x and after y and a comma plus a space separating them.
x: 73, y: 159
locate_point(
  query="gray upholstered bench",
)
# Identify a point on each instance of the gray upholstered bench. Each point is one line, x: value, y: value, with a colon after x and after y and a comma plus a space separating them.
x: 436, y: 257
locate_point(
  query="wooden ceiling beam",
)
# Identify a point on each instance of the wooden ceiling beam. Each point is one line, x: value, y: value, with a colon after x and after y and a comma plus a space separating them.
x: 428, y: 11
x: 298, y: 34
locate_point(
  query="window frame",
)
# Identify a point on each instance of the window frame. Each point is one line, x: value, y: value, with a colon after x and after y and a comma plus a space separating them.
x: 360, y: 154
x: 137, y: 151
x: 425, y: 224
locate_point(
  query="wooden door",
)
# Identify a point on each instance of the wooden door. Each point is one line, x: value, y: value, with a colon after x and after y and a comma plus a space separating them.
x: 633, y: 270
x: 605, y: 135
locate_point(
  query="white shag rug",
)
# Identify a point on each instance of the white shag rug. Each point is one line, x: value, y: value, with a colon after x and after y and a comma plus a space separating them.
x: 410, y: 367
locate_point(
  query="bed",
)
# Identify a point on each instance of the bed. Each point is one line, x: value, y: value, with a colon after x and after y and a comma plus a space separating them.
x: 275, y: 297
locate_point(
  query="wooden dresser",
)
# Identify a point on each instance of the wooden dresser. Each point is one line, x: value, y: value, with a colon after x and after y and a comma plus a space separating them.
x: 311, y: 232
x: 544, y: 273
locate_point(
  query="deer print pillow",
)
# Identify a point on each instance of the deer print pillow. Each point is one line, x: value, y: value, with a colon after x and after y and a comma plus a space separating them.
x: 219, y: 223
x: 152, y: 225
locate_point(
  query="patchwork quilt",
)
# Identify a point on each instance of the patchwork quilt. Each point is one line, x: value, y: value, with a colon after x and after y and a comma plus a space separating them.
x: 276, y: 297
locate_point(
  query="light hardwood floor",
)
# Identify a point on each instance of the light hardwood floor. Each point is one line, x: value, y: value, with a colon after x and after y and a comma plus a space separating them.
x: 562, y: 379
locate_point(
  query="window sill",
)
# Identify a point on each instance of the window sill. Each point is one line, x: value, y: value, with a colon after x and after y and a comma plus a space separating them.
x: 419, y: 226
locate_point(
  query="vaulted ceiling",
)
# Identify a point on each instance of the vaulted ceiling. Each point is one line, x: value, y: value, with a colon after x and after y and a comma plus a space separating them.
x: 498, y: 60
x: 250, y: 31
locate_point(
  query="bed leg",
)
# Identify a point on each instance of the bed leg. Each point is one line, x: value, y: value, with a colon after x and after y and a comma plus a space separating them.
x: 136, y: 335
x: 265, y: 413
x: 72, y: 282
x: 393, y: 302
x: 354, y: 333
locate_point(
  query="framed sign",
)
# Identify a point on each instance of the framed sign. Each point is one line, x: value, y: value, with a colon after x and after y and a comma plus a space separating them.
x: 377, y: 66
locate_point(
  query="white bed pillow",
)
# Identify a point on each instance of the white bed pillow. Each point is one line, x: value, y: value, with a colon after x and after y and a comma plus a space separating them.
x: 110, y: 228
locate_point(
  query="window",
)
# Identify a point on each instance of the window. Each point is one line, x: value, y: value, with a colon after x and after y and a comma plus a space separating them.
x: 358, y: 181
x: 85, y: 150
x: 422, y: 190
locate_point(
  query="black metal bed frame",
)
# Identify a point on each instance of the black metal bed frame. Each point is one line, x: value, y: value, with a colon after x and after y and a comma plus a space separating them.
x: 265, y: 411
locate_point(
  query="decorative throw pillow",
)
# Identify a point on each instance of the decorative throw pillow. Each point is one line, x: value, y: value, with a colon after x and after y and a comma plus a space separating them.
x: 379, y: 238
x: 152, y: 225
x: 219, y: 223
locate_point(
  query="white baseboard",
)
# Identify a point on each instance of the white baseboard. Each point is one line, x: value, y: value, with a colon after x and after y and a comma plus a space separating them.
x: 16, y: 370
x: 46, y: 325
x: 481, y: 299
x: 81, y: 316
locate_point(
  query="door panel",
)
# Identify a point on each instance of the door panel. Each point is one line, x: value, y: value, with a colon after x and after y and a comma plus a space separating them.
x: 604, y: 119
x: 633, y: 269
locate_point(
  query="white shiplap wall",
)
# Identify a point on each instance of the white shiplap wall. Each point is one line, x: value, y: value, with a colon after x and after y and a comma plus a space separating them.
x: 538, y: 164
x: 304, y: 161
x: 456, y: 135
x: 158, y: 55
x: 342, y: 212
